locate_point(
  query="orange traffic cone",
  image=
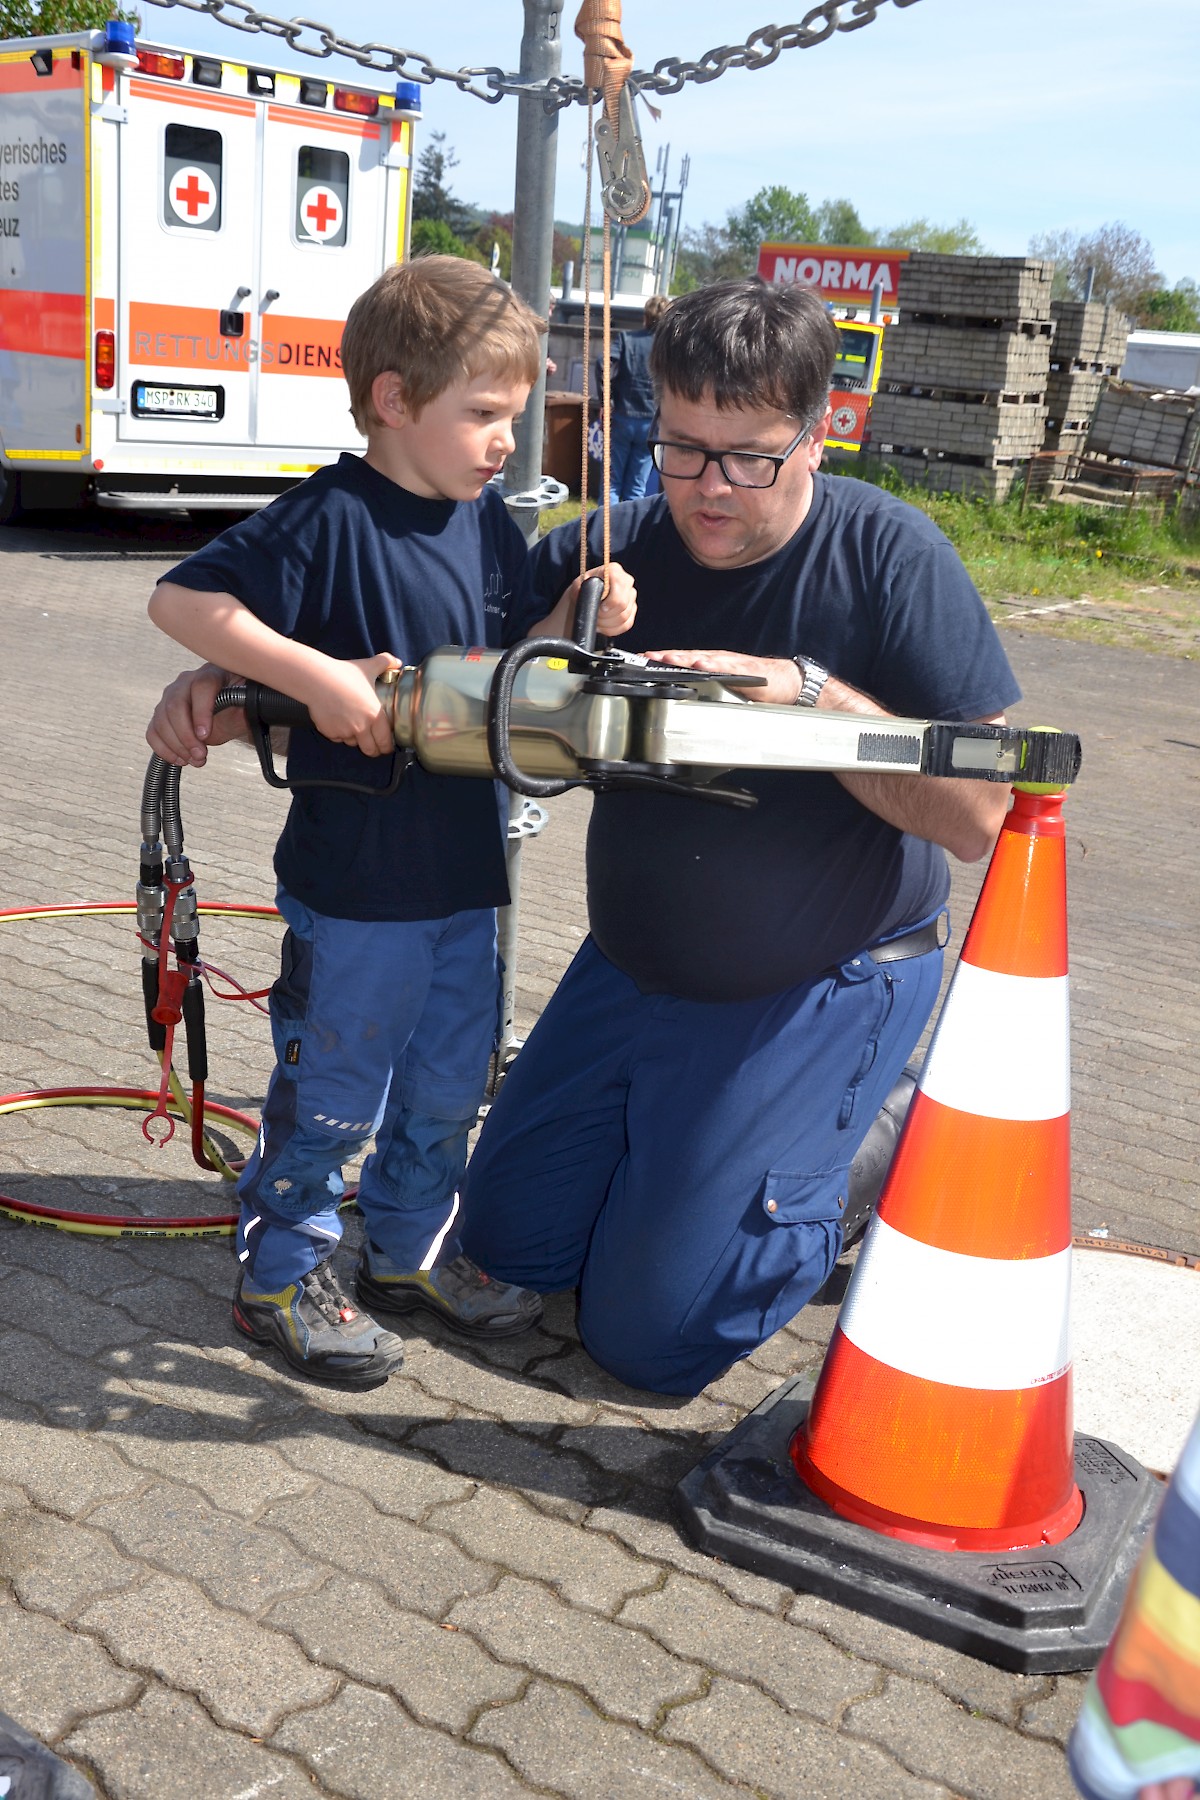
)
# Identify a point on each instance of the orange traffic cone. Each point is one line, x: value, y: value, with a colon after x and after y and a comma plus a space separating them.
x: 943, y: 1414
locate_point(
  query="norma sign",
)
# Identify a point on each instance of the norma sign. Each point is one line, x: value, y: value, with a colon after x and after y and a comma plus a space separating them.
x: 843, y: 275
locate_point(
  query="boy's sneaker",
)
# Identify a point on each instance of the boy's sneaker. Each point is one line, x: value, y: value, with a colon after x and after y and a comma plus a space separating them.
x: 319, y: 1330
x: 458, y: 1293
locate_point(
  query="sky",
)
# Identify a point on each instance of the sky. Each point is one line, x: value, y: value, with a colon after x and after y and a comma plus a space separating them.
x: 1022, y: 116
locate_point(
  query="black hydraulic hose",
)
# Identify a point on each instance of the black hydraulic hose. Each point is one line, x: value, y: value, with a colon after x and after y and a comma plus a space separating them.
x: 499, y: 712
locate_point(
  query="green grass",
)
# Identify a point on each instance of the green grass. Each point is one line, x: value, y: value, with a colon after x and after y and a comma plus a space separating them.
x: 1056, y: 549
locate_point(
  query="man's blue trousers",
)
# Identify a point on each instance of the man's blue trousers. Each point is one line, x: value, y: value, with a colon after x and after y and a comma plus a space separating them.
x: 685, y: 1164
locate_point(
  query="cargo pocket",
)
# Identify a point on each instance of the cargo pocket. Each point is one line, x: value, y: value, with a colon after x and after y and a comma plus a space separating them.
x: 778, y: 1255
x: 806, y: 1212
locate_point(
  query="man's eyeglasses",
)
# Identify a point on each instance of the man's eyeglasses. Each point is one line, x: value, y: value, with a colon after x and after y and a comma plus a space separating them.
x: 741, y: 468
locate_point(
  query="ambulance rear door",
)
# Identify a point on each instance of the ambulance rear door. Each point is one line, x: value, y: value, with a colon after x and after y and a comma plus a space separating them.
x: 43, y: 255
x: 324, y: 196
x: 188, y: 188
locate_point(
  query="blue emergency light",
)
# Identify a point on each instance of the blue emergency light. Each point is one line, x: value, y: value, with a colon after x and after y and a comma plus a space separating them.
x: 408, y: 99
x: 118, y: 50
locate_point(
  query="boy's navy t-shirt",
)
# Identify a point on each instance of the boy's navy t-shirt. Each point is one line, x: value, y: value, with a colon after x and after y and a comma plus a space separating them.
x: 353, y: 564
x: 711, y: 903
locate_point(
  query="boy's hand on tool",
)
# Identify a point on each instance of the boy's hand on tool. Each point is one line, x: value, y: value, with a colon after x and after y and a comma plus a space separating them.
x: 618, y: 609
x: 344, y: 706
x: 182, y: 728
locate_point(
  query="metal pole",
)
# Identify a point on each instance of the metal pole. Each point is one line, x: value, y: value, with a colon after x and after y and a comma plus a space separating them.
x: 532, y: 260
x: 533, y: 234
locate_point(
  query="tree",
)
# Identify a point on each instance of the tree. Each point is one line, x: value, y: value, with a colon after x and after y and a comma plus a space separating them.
x: 959, y: 239
x: 433, y: 237
x: 837, y: 222
x: 432, y: 198
x: 1172, y: 309
x: 23, y: 18
x: 776, y: 215
x: 1122, y: 261
x: 706, y: 253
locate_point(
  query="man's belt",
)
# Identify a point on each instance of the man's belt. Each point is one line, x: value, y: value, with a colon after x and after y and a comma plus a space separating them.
x: 920, y: 942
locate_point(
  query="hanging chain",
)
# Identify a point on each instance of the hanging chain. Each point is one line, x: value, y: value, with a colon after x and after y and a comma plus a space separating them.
x: 491, y: 84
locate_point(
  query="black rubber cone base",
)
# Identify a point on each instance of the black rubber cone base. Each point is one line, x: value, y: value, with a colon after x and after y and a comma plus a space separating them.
x: 1039, y: 1611
x: 28, y: 1771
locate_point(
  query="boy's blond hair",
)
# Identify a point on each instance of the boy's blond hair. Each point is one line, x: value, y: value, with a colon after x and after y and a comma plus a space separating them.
x: 434, y: 321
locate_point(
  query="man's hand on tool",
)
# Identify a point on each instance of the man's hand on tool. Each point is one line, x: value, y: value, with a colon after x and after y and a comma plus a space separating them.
x: 781, y: 675
x: 618, y: 609
x: 182, y: 728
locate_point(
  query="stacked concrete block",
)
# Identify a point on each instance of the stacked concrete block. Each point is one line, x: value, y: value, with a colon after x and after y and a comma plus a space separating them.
x: 1089, y: 344
x: 1132, y: 425
x: 965, y: 372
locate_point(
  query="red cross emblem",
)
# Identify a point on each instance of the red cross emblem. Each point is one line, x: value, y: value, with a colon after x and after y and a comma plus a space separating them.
x: 193, y: 197
x: 321, y: 213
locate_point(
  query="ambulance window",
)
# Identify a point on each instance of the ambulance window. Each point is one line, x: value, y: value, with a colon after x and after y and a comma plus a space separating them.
x: 192, y: 178
x: 322, y: 196
x: 855, y: 352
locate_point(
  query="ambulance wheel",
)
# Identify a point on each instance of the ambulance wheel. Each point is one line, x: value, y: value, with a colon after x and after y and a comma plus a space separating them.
x: 11, y: 510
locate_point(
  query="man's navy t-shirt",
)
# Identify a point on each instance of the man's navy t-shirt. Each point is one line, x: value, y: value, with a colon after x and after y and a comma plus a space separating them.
x: 709, y: 903
x: 353, y: 564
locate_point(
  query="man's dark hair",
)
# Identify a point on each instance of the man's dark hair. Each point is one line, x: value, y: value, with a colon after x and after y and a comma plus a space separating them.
x: 747, y: 344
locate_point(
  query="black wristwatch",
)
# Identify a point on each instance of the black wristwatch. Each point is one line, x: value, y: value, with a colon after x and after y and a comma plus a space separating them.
x: 812, y: 679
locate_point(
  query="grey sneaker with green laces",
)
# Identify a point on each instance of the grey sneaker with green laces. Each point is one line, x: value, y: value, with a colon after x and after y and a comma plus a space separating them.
x: 458, y: 1293
x: 319, y: 1330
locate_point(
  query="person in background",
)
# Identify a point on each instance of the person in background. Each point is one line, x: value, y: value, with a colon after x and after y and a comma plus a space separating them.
x: 631, y: 412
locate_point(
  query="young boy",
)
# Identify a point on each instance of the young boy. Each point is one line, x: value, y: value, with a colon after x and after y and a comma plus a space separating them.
x: 385, y: 1011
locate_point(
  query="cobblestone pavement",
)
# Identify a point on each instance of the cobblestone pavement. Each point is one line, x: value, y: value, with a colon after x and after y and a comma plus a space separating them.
x: 218, y: 1581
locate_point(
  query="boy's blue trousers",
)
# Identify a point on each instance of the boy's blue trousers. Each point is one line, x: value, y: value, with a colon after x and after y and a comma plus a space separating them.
x: 686, y: 1164
x: 381, y: 1028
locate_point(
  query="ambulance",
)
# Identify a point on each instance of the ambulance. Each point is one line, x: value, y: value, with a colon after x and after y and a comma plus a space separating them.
x: 181, y: 238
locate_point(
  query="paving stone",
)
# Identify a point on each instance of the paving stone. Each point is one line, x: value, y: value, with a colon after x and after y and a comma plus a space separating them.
x: 86, y: 1263
x: 505, y: 1530
x: 55, y: 1567
x: 576, y: 1374
x: 933, y: 1737
x: 656, y: 1534
x: 624, y: 1672
x: 523, y: 1404
x: 697, y: 1620
x: 50, y: 1676
x: 167, y: 1748
x: 489, y: 1452
x: 422, y: 1569
x: 1053, y: 1715
x: 66, y: 1471
x: 365, y: 1748
x: 557, y: 1741
x: 213, y: 1454
x: 750, y: 1739
x: 203, y: 1381
x: 974, y: 1684
x: 241, y: 1566
x: 627, y: 1447
x: 394, y: 1480
x: 68, y: 1392
x: 438, y: 1671
x: 245, y: 1677
x: 166, y: 1304
x: 71, y: 1319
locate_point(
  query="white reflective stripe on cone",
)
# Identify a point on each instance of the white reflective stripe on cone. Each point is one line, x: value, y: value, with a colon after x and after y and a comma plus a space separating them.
x: 1001, y: 1049
x: 966, y: 1321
